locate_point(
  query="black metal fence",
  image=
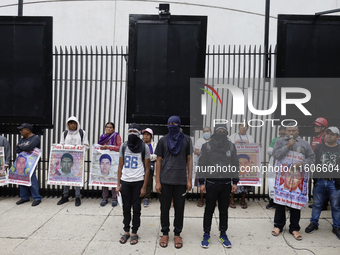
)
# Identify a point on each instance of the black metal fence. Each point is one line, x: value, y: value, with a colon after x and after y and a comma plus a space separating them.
x: 90, y: 83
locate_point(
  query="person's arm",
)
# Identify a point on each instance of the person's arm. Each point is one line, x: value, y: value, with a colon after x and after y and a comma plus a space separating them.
x: 146, y: 177
x: 17, y: 148
x: 35, y: 142
x: 236, y: 165
x: 280, y: 150
x: 62, y: 139
x: 197, y: 152
x: 85, y: 141
x: 117, y: 144
x: 120, y: 168
x: 189, y: 166
x: 309, y: 155
x: 189, y: 163
x: 158, y: 174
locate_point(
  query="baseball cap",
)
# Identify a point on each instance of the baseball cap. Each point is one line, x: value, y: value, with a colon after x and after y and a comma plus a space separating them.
x: 149, y: 130
x: 26, y: 125
x: 334, y: 130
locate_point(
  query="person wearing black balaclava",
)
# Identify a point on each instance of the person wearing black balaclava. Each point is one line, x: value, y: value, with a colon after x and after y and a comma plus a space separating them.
x: 132, y: 179
x: 173, y: 159
x: 217, y: 186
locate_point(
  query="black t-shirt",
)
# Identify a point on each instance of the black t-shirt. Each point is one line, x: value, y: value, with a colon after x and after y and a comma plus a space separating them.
x: 326, y: 158
x: 174, y: 167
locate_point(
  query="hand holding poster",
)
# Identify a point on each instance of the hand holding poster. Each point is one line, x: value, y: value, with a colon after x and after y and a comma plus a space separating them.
x: 2, y: 167
x: 249, y: 156
x: 66, y: 166
x: 23, y: 167
x: 104, y: 167
x: 291, y: 188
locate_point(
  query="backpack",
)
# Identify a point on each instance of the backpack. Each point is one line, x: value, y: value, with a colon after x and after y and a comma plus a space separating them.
x: 81, y: 133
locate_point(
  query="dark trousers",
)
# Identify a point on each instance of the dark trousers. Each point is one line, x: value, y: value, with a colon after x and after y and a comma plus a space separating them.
x: 130, y: 195
x: 177, y: 193
x: 216, y: 191
x: 280, y: 218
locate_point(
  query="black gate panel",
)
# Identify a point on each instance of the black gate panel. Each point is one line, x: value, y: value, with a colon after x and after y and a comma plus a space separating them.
x: 26, y: 71
x: 163, y: 56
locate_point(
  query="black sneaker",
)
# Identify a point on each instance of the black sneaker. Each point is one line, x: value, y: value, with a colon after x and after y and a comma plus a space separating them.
x: 36, y: 202
x: 21, y: 201
x: 336, y: 231
x: 311, y: 228
x: 63, y: 200
x: 271, y: 205
x: 78, y: 202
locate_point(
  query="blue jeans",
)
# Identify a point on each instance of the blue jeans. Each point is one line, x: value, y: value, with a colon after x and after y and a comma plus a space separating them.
x: 25, y: 191
x: 322, y: 188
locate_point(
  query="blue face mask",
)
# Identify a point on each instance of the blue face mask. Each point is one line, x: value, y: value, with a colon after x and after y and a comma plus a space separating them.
x: 173, y: 128
x: 206, y: 135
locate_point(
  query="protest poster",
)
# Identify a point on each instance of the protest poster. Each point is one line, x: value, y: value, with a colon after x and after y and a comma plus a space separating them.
x: 291, y: 187
x: 104, y: 167
x: 249, y: 156
x: 23, y: 167
x: 2, y: 166
x: 66, y: 165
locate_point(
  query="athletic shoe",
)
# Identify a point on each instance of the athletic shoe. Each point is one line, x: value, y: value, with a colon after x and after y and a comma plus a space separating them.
x: 205, y: 240
x: 225, y: 241
x: 114, y: 203
x: 146, y: 202
x: 311, y: 228
x: 103, y: 203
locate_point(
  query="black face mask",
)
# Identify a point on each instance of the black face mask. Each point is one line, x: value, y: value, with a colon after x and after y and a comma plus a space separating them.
x: 134, y: 143
x: 220, y: 141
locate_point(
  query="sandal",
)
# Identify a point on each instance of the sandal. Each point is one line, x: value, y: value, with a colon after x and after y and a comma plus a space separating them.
x: 134, y: 240
x: 232, y: 205
x: 200, y: 203
x: 297, y: 235
x: 124, y: 239
x: 244, y: 206
x: 163, y: 242
x: 178, y: 242
x: 276, y: 231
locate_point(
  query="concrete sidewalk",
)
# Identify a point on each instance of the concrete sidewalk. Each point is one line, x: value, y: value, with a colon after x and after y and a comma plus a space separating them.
x: 91, y: 229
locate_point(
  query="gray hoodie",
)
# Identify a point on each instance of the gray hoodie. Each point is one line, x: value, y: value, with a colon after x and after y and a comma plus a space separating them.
x: 73, y: 137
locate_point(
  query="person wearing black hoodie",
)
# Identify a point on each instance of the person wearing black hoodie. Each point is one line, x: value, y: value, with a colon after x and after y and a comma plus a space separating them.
x: 219, y: 154
x: 173, y: 152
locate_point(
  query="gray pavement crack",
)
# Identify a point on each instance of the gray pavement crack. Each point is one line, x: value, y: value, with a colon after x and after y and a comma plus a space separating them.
x: 107, y: 216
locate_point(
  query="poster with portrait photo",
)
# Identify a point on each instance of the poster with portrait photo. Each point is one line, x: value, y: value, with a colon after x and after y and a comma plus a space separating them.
x: 66, y: 165
x: 249, y: 157
x: 23, y: 167
x: 2, y: 166
x: 291, y: 187
x: 104, y: 167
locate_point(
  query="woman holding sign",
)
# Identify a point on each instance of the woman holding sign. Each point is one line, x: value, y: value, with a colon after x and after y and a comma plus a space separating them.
x: 110, y: 141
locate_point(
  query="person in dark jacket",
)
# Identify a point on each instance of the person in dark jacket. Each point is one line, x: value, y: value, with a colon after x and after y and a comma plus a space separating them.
x: 28, y: 142
x: 221, y: 156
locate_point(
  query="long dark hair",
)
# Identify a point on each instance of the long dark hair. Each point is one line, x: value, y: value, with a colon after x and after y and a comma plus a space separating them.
x: 113, y: 125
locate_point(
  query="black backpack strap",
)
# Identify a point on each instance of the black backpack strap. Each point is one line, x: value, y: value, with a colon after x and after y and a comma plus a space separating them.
x: 65, y: 134
x: 81, y: 133
x: 124, y: 148
x: 143, y: 152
